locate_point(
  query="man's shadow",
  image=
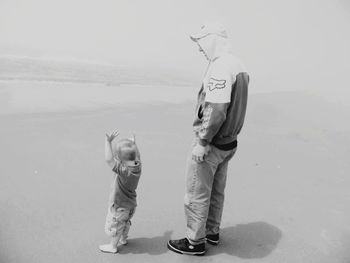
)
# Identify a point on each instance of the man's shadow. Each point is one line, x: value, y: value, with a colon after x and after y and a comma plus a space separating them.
x: 143, y: 245
x: 252, y: 240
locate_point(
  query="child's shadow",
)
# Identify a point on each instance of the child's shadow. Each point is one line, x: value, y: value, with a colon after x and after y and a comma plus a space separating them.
x: 144, y: 245
x: 252, y: 240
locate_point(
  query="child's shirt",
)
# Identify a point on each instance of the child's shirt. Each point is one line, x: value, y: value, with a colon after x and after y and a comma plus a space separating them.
x: 125, y: 181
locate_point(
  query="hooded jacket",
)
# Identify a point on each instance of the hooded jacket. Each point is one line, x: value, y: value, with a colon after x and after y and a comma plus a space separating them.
x: 222, y: 99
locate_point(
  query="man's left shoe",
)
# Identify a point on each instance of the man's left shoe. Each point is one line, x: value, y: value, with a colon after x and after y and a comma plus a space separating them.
x: 183, y: 246
x: 213, y: 239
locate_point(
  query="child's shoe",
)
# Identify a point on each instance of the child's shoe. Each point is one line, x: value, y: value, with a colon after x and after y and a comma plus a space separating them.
x: 108, y: 248
x: 123, y: 241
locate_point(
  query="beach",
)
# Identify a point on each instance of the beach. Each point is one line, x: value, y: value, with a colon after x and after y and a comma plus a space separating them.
x: 287, y: 195
x: 72, y: 71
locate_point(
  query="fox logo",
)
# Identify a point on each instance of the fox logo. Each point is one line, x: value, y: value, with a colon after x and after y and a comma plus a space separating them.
x: 216, y: 84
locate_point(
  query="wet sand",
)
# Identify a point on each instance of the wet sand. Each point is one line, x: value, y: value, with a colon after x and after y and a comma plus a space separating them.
x: 287, y: 195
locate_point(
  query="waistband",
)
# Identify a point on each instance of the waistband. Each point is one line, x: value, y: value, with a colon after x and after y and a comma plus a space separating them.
x: 226, y: 147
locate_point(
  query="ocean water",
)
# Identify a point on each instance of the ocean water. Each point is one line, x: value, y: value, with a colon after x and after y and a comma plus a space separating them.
x: 25, y: 96
x: 45, y: 85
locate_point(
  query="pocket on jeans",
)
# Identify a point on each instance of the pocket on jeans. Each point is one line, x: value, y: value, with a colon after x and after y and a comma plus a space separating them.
x: 211, y: 158
x: 210, y: 161
x: 122, y: 214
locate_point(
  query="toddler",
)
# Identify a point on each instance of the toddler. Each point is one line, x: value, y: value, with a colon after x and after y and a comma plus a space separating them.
x: 124, y: 159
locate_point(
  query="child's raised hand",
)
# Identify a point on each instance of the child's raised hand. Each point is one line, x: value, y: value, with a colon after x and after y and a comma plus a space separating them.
x: 111, y: 137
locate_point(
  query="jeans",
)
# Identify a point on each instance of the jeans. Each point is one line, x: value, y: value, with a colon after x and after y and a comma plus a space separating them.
x: 118, y: 222
x: 204, y: 198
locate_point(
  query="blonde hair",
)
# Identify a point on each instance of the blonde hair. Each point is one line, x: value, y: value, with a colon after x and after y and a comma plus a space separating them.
x: 126, y: 150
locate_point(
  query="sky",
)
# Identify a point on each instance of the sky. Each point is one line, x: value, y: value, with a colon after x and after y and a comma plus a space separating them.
x: 284, y: 44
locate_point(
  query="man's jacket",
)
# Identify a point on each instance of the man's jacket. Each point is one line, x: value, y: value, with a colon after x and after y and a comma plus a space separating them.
x: 222, y: 102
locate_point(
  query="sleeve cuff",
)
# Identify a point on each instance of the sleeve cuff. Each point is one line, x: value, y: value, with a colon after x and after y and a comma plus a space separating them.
x: 203, y: 142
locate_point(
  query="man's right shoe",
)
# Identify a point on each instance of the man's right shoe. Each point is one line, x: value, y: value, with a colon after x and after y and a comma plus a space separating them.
x: 213, y: 239
x: 183, y: 246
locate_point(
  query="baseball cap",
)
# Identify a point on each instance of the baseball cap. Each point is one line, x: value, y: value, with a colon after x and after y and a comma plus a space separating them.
x: 210, y: 29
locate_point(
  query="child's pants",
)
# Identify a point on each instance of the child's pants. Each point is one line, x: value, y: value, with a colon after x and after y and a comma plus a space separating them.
x: 204, y: 199
x: 118, y: 222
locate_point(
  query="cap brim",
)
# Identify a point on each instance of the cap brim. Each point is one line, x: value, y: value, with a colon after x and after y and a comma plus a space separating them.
x: 198, y: 36
x: 194, y: 38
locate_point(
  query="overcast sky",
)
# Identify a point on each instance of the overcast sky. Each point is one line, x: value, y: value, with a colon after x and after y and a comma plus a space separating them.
x: 278, y: 40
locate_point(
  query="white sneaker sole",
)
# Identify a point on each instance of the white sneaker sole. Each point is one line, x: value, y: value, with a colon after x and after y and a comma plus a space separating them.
x: 111, y: 252
x: 212, y: 242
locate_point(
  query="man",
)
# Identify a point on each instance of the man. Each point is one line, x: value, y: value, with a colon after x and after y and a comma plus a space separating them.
x: 219, y: 117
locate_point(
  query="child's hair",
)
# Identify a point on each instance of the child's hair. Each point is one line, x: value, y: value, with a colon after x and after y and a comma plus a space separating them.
x: 126, y: 150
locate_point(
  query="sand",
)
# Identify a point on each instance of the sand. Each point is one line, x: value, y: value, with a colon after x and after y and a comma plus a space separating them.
x: 287, y: 196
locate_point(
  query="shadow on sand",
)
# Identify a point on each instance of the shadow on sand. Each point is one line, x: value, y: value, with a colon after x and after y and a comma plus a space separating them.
x: 152, y: 246
x: 252, y: 240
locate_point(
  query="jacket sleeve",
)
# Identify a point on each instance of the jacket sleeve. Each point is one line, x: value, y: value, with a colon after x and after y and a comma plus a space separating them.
x: 213, y: 117
x: 217, y: 100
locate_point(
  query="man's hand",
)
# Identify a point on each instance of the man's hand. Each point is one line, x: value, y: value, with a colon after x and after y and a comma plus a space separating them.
x: 199, y: 152
x: 111, y: 137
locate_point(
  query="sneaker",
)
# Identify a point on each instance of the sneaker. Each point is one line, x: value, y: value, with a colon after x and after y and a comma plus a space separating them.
x: 123, y: 241
x: 213, y: 239
x: 108, y: 248
x: 183, y: 246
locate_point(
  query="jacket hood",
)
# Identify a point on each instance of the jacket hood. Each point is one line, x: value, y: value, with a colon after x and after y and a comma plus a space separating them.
x: 214, y: 46
x: 212, y: 39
